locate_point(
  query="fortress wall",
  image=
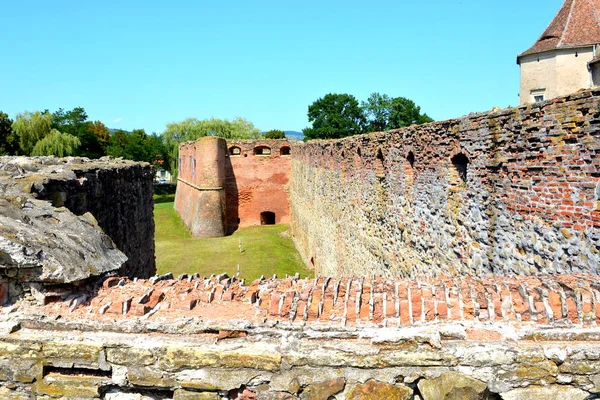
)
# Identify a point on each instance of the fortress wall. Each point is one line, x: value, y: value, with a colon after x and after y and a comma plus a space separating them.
x: 257, y: 182
x: 66, y: 220
x: 513, y: 191
x: 224, y: 185
x: 120, y: 199
x: 216, y: 338
x: 200, y: 195
x: 70, y: 364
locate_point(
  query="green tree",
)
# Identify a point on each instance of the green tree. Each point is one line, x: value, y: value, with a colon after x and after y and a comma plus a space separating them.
x: 377, y: 111
x: 275, y: 134
x: 102, y: 134
x: 117, y: 143
x: 9, y: 142
x: 405, y: 112
x: 334, y: 116
x: 71, y: 122
x: 75, y: 122
x: 193, y: 129
x: 31, y: 127
x: 56, y: 143
x: 137, y: 146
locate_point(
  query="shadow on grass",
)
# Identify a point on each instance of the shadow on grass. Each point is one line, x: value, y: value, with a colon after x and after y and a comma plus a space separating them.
x: 258, y: 250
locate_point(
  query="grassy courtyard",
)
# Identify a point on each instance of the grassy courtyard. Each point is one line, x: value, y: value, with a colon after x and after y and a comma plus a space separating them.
x: 266, y: 250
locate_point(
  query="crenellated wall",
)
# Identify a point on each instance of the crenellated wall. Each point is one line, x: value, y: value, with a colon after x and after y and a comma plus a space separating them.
x: 515, y: 191
x: 257, y: 183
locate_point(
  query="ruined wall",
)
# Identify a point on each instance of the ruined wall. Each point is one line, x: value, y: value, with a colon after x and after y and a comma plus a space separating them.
x: 211, y: 339
x: 224, y: 185
x: 120, y: 199
x: 63, y: 221
x: 257, y: 183
x: 515, y: 191
x: 200, y: 195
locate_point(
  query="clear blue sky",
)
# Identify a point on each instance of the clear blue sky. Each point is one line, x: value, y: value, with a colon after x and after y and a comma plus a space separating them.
x: 141, y: 64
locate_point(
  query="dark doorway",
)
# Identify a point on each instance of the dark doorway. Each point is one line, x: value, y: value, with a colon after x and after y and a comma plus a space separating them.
x: 267, y: 218
x: 461, y: 163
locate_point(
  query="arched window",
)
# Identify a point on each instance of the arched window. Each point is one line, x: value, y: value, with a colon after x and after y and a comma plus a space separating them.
x: 285, y: 151
x: 411, y: 159
x: 379, y: 166
x: 267, y: 218
x: 235, y: 151
x: 461, y: 164
x: 262, y: 151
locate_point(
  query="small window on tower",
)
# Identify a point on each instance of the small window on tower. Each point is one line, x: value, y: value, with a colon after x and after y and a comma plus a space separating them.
x: 538, y: 95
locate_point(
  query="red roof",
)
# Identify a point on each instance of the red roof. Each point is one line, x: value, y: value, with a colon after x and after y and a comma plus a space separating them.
x: 576, y: 24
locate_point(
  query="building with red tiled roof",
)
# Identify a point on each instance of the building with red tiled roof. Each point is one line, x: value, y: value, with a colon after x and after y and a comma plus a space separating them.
x: 566, y: 56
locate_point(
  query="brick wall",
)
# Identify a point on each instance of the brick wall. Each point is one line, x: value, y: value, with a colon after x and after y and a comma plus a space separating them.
x: 226, y: 185
x: 200, y: 195
x: 257, y: 183
x: 514, y: 191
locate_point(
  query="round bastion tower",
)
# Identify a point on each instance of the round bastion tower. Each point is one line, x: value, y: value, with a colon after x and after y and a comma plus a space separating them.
x: 200, y: 197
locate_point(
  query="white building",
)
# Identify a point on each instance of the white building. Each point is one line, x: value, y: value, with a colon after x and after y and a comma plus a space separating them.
x: 566, y: 57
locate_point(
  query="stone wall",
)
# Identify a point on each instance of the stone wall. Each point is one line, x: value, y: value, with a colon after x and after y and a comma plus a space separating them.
x: 215, y: 338
x: 513, y: 191
x: 63, y: 221
x: 120, y: 199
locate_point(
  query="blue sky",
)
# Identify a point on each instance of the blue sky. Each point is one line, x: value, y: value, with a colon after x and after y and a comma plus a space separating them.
x: 142, y: 64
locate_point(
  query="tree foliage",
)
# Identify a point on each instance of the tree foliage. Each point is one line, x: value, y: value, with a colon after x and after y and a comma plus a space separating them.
x: 56, y: 143
x: 338, y: 115
x: 31, y: 127
x: 274, y: 134
x: 137, y: 146
x: 193, y: 129
x: 9, y: 142
x: 75, y: 122
x: 101, y: 132
x: 335, y: 116
x: 377, y: 111
x: 404, y: 112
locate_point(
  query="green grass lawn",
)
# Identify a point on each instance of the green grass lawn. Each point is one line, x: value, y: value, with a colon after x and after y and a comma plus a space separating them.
x: 265, y: 250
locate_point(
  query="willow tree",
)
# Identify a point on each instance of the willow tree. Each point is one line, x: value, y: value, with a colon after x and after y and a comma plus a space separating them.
x: 57, y: 144
x: 31, y: 127
x: 193, y: 129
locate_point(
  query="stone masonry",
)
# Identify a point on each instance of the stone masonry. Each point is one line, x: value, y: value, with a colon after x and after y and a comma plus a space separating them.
x: 349, y: 338
x: 515, y: 191
x: 63, y: 221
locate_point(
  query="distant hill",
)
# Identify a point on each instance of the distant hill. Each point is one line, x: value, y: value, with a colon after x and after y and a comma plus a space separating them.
x: 111, y: 131
x: 294, y: 135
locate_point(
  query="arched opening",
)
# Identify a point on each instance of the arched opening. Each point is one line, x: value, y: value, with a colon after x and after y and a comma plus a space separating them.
x: 262, y: 151
x: 379, y: 166
x: 235, y: 151
x: 285, y: 151
x: 409, y: 170
x: 461, y: 163
x: 267, y: 218
x: 411, y: 159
